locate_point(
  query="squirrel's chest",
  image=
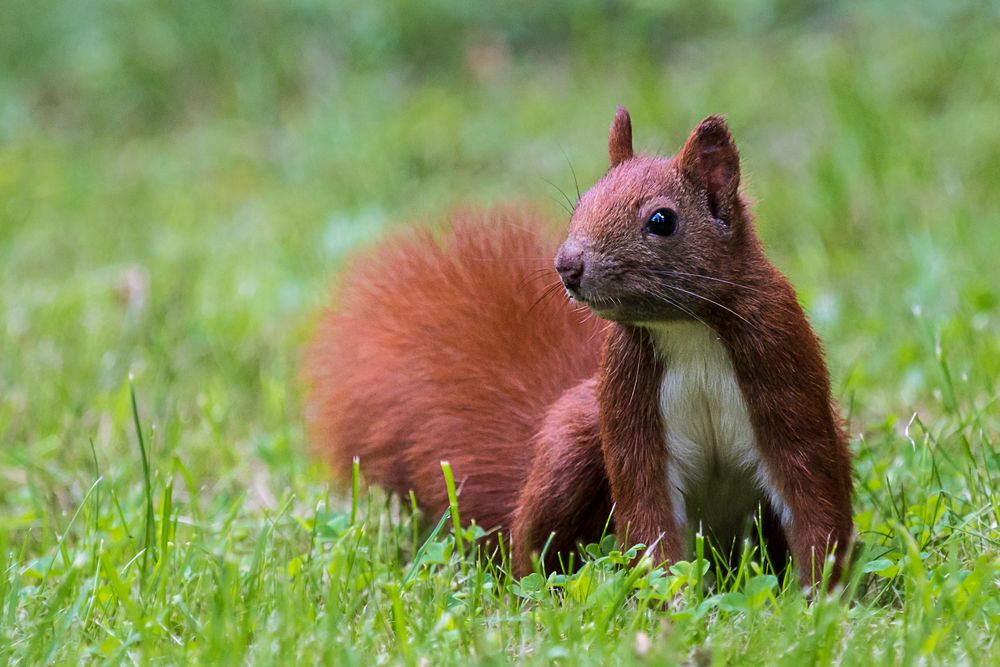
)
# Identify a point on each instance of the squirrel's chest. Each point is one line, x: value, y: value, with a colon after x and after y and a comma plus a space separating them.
x: 713, y: 465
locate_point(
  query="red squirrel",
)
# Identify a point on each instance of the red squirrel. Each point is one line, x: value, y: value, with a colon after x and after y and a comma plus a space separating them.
x: 698, y: 398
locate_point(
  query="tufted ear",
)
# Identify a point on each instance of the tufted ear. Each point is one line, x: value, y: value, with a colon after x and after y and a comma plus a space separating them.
x: 620, y: 138
x: 710, y: 160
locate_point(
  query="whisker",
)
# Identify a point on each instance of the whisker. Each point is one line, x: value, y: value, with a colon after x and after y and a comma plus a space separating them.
x: 583, y: 312
x: 585, y: 315
x: 546, y: 293
x: 509, y: 259
x: 533, y: 280
x: 621, y: 363
x: 565, y: 196
x: 711, y: 301
x: 681, y: 307
x: 635, y: 384
x: 537, y: 274
x: 602, y: 330
x: 664, y: 272
x: 576, y: 183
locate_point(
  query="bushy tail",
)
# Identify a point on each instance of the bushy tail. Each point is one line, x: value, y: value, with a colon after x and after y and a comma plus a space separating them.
x: 448, y: 347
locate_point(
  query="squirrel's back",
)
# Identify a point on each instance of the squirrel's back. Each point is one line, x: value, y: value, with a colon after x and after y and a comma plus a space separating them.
x: 448, y: 346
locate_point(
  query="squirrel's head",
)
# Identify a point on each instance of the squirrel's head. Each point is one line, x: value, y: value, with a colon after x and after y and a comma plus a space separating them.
x: 659, y: 238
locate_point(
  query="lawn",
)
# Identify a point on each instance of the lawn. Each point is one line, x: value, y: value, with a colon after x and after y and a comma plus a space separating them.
x: 180, y: 186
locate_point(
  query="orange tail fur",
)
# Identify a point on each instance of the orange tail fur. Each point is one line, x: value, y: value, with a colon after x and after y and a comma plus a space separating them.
x: 448, y: 347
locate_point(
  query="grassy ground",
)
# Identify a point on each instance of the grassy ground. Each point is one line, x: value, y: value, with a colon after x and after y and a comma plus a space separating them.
x: 177, y: 191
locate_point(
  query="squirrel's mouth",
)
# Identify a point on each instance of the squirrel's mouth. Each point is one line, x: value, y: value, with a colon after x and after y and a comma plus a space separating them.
x: 600, y: 304
x: 624, y: 308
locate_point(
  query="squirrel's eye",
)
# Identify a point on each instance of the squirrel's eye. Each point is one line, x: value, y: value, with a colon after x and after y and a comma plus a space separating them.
x: 663, y: 222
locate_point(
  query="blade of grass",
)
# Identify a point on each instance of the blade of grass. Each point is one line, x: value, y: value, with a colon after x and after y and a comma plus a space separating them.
x: 456, y: 520
x: 149, y: 530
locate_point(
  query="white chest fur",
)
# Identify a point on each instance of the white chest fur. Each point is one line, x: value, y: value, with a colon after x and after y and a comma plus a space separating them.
x: 714, y: 469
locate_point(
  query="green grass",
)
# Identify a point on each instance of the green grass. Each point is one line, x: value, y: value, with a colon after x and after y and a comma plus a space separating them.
x: 178, y: 191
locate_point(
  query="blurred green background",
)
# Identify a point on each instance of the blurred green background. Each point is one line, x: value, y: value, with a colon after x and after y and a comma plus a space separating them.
x: 224, y: 156
x: 180, y: 182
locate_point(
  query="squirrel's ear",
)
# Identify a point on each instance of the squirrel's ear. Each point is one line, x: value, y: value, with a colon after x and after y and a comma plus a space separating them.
x: 620, y: 138
x: 710, y: 160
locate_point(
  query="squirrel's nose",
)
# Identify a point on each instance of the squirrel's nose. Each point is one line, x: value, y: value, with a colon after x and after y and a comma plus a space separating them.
x: 569, y: 264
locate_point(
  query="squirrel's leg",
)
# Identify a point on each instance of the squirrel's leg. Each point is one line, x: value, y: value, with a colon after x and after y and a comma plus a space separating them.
x: 807, y: 473
x: 806, y: 465
x: 816, y: 516
x: 566, y: 496
x: 633, y: 444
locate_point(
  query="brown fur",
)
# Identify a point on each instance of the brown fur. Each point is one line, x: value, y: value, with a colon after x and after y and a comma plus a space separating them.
x: 450, y: 349
x: 447, y: 348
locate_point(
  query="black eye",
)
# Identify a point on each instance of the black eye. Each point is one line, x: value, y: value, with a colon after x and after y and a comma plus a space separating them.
x: 663, y: 222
